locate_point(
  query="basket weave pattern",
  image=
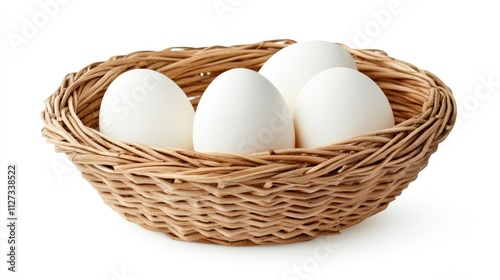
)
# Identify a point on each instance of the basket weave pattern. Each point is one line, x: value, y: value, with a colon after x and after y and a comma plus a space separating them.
x: 279, y: 196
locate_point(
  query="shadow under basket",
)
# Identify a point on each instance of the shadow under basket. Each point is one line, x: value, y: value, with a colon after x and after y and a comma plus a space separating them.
x: 280, y: 196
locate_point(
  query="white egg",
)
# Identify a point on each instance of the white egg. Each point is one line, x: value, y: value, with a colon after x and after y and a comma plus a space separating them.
x: 242, y: 112
x: 147, y: 107
x: 339, y: 103
x: 290, y: 68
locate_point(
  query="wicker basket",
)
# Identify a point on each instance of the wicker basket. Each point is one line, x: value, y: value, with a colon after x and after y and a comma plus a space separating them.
x: 280, y: 196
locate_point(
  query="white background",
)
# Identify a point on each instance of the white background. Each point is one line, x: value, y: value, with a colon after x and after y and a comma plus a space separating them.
x: 445, y: 226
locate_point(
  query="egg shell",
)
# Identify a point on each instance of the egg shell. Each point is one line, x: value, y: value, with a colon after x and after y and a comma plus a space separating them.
x: 147, y: 107
x: 339, y: 103
x: 292, y: 67
x: 242, y: 112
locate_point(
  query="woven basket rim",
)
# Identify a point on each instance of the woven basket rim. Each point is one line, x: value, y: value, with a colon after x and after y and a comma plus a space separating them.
x: 333, y: 146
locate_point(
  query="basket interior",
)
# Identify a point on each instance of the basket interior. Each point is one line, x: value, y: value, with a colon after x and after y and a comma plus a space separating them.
x: 406, y: 92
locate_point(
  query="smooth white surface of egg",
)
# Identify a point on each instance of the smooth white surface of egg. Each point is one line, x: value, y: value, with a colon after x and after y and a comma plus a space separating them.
x: 242, y: 112
x: 147, y: 107
x: 339, y: 103
x: 292, y: 67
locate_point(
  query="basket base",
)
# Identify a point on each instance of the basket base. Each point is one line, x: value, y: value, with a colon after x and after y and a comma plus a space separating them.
x: 215, y: 237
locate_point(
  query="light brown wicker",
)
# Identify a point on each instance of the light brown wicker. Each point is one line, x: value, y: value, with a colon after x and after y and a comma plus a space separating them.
x: 279, y: 196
